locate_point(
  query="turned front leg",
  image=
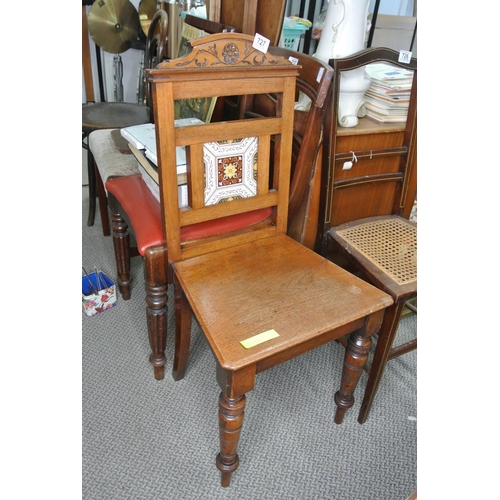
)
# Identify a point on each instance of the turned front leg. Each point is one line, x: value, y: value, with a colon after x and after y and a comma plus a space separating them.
x: 155, y: 278
x: 231, y: 413
x: 121, y: 244
x: 355, y: 359
x: 234, y: 386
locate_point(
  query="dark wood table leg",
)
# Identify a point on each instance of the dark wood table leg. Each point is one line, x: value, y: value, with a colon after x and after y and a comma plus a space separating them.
x: 155, y: 277
x: 92, y: 187
x: 121, y: 243
x: 356, y: 356
x: 103, y: 202
x: 383, y: 349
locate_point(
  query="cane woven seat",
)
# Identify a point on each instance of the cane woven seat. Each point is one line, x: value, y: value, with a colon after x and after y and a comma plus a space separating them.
x: 384, y: 248
x: 389, y: 244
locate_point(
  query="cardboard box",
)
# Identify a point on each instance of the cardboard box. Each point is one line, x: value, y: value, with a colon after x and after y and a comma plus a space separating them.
x: 99, y: 295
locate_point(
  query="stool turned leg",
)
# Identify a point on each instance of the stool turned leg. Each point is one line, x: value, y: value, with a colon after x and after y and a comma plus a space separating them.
x: 383, y: 348
x: 121, y: 244
x: 183, y: 316
x: 103, y: 202
x: 155, y: 278
x: 231, y: 412
x: 92, y: 187
x: 355, y: 359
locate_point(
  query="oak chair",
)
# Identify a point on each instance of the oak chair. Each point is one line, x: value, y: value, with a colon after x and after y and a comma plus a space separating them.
x: 260, y: 297
x: 135, y: 210
x: 382, y: 246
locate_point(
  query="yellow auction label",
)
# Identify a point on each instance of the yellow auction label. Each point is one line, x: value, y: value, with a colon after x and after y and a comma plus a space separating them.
x: 259, y: 339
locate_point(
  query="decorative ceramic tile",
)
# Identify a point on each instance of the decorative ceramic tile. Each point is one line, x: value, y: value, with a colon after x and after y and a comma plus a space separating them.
x: 230, y: 169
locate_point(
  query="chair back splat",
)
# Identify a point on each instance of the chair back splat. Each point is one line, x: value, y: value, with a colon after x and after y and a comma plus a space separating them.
x: 230, y: 69
x: 260, y: 297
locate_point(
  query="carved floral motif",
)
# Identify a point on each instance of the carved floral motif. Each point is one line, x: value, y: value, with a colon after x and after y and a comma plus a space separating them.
x: 231, y: 56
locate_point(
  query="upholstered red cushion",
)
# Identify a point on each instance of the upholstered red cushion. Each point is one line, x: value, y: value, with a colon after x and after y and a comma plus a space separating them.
x: 143, y: 211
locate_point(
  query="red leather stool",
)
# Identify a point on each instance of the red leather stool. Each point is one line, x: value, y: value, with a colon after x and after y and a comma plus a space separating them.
x: 134, y: 207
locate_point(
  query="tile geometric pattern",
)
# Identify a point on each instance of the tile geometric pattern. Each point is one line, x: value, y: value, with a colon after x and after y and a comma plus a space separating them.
x: 230, y: 169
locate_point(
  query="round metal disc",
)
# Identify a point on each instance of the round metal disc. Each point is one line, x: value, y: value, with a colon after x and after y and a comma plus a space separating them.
x: 113, y: 24
x: 147, y: 9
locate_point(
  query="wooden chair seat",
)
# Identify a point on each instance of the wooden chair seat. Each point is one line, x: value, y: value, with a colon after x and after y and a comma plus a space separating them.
x: 386, y: 248
x: 271, y: 264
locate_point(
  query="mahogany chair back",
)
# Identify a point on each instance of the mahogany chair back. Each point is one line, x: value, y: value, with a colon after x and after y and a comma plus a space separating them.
x: 380, y: 178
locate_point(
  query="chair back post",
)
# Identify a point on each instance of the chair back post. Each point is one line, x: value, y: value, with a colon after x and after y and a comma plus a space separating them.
x: 314, y: 82
x: 222, y: 65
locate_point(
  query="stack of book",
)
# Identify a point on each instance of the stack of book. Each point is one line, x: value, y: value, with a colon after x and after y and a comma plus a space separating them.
x: 142, y: 142
x: 388, y: 97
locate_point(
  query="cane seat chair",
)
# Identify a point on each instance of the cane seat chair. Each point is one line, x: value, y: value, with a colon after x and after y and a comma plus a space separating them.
x: 382, y: 247
x: 259, y: 296
x: 135, y: 210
